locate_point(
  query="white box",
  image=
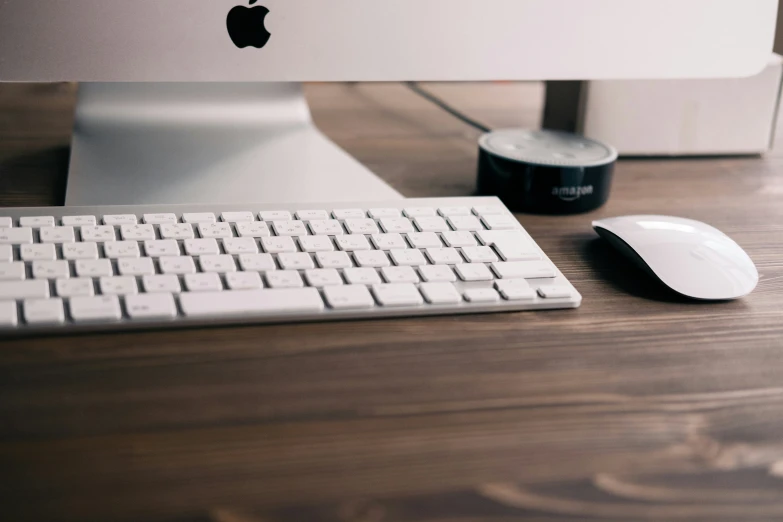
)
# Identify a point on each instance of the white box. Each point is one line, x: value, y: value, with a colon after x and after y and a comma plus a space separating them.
x: 679, y: 117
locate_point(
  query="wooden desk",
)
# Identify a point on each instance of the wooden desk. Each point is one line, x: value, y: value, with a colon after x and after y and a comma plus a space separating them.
x: 636, y: 407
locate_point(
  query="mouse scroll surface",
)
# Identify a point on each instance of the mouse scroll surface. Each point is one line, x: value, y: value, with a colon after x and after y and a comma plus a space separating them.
x: 691, y: 258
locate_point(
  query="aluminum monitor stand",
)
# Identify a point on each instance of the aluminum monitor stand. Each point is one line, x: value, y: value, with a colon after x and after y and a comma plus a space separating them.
x: 177, y: 143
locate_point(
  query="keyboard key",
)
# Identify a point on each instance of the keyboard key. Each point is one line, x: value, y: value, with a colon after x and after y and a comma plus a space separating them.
x: 349, y: 297
x: 118, y: 285
x: 465, y: 223
x: 38, y: 252
x: 238, y: 217
x: 244, y: 281
x: 160, y: 219
x: 488, y: 210
x: 220, y: 264
x: 362, y: 276
x: 284, y: 279
x: 349, y: 213
x: 177, y: 231
x: 16, y: 236
x: 454, y: 211
x: 95, y: 309
x: 278, y: 245
x: 333, y: 260
x: 51, y: 270
x: 431, y: 224
x: 389, y: 242
x: 6, y: 254
x: 316, y: 244
x: 93, y: 268
x: 276, y: 215
x: 79, y: 221
x: 361, y: 226
x: 117, y: 220
x: 151, y: 306
x: 161, y: 284
x: 512, y: 245
x: 322, y: 277
x: 14, y: 271
x: 252, y: 302
x: 11, y: 290
x: 399, y: 274
x: 203, y: 282
x: 479, y: 255
x: 408, y: 257
x: 297, y: 261
x: 74, y: 251
x: 6, y: 222
x: 98, y: 234
x: 437, y: 274
x: 202, y: 247
x: 8, y: 318
x: 161, y: 248
x: 44, y: 311
x: 195, y: 218
x: 415, y: 212
x: 256, y: 229
x: 371, y: 259
x: 473, y: 272
x: 289, y: 228
x: 379, y: 213
x: 58, y: 235
x: 137, y: 232
x: 179, y: 265
x: 440, y: 293
x: 481, y: 295
x: 352, y: 243
x: 515, y: 290
x: 77, y: 287
x: 37, y: 221
x: 136, y: 267
x: 500, y: 222
x: 444, y: 256
x: 424, y: 240
x: 398, y: 295
x: 397, y: 225
x: 240, y: 245
x: 524, y: 270
x: 312, y: 215
x: 519, y: 252
x: 328, y: 227
x: 555, y: 292
x: 257, y: 262
x: 459, y: 239
x: 121, y: 249
x: 215, y: 230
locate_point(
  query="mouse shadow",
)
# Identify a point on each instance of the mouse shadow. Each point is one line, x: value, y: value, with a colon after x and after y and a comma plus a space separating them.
x: 626, y: 276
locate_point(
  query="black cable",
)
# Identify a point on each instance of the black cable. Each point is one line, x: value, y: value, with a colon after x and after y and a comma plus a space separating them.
x: 415, y: 87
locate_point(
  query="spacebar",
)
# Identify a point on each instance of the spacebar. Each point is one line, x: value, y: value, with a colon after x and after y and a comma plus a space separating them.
x: 251, y: 302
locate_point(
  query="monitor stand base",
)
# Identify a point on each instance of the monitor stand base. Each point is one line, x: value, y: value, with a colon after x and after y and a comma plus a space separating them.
x: 144, y: 144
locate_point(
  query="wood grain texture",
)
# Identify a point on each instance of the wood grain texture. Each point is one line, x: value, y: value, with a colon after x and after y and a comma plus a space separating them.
x: 639, y: 406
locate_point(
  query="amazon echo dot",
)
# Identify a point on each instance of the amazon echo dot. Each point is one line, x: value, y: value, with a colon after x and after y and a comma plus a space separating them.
x: 545, y: 172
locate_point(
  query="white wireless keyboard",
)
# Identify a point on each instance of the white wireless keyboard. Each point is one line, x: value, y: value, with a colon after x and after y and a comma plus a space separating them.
x: 74, y: 269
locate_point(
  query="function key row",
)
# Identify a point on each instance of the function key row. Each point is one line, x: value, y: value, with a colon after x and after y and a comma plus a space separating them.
x: 245, y: 217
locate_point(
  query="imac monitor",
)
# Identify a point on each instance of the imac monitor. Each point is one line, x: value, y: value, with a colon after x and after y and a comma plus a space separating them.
x: 199, y: 100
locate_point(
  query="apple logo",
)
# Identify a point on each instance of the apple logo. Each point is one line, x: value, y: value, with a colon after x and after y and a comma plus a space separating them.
x: 246, y: 26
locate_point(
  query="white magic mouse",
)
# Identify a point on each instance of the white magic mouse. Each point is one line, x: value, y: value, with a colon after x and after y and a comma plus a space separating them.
x: 691, y: 258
